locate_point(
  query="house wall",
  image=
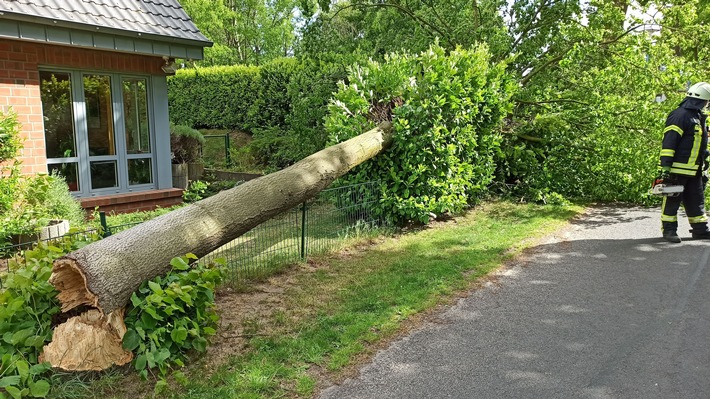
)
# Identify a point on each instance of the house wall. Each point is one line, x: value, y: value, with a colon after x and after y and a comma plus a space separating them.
x: 19, y: 84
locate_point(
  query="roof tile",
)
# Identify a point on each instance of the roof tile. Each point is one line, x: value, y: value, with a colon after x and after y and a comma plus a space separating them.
x: 157, y: 17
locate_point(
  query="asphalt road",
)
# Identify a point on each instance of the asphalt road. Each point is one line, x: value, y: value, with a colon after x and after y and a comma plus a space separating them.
x: 602, y: 309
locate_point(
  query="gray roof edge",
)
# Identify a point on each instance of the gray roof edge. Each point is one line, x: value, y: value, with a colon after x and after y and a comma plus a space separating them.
x: 200, y: 39
x: 63, y: 36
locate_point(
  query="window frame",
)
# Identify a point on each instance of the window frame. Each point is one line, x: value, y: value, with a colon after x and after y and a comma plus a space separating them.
x: 121, y: 157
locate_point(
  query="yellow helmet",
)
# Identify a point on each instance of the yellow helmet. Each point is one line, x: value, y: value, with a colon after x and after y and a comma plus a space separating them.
x: 700, y: 90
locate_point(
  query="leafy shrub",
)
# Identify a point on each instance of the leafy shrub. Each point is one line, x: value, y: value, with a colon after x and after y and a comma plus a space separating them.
x: 445, y: 111
x: 195, y: 191
x: 168, y: 316
x: 10, y: 143
x: 221, y: 185
x: 28, y: 305
x: 273, y: 105
x: 172, y: 315
x: 10, y: 146
x: 282, y: 103
x: 185, y: 143
x: 215, y: 97
x: 36, y: 200
x: 592, y: 129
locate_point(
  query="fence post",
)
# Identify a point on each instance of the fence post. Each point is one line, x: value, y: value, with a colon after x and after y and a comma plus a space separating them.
x: 227, y: 158
x: 303, y: 231
x: 104, y: 226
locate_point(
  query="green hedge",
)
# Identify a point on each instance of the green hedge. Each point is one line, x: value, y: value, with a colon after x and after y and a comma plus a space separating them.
x: 446, y: 111
x: 216, y: 97
x: 282, y: 103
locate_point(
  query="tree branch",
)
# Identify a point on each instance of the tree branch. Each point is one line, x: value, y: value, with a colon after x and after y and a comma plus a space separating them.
x: 403, y: 10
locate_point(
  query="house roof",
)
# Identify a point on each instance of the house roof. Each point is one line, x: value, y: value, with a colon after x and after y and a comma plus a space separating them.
x: 160, y: 21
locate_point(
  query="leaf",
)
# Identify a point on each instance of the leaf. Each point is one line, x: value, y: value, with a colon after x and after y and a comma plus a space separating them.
x: 136, y: 301
x: 141, y: 362
x: 179, y: 335
x: 131, y: 340
x: 155, y: 287
x: 162, y: 355
x: 20, y: 336
x: 23, y: 369
x: 9, y: 380
x: 39, y: 389
x: 35, y: 341
x: 14, y: 392
x: 179, y: 264
x: 38, y: 369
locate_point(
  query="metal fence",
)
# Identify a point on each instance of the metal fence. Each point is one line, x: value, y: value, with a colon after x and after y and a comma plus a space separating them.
x: 215, y: 151
x: 314, y: 227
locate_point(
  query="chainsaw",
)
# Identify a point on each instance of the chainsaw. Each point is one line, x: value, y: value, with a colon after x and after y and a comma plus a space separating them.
x: 664, y: 189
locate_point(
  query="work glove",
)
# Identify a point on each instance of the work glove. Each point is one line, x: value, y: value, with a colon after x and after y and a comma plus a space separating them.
x: 665, y: 177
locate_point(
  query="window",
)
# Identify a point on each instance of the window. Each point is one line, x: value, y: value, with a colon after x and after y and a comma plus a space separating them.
x: 97, y: 129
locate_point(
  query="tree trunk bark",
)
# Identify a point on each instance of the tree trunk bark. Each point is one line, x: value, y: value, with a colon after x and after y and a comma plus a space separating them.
x: 105, y: 273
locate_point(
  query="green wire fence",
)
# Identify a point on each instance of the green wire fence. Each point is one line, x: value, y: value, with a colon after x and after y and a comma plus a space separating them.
x: 314, y: 227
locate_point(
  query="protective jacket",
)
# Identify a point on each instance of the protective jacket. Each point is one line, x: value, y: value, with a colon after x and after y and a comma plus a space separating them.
x: 685, y: 138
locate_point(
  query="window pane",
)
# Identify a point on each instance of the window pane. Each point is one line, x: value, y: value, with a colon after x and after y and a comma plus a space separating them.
x: 57, y: 103
x: 70, y: 172
x: 140, y: 171
x: 135, y: 100
x: 99, y: 115
x: 103, y: 174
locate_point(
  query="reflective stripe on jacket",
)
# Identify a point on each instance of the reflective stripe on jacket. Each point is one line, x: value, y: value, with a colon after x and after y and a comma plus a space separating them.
x: 685, y: 140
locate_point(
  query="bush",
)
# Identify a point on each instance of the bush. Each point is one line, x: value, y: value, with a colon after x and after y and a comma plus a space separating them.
x: 445, y: 110
x: 10, y: 146
x: 28, y: 306
x: 215, y: 97
x: 168, y: 317
x: 282, y: 103
x: 36, y: 200
x: 172, y: 315
x: 10, y: 143
x: 185, y: 143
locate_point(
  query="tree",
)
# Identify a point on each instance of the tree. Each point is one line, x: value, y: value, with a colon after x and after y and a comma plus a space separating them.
x: 104, y: 274
x: 244, y: 31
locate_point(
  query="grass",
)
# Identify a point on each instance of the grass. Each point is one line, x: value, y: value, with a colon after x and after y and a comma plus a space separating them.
x: 335, y: 315
x: 214, y: 155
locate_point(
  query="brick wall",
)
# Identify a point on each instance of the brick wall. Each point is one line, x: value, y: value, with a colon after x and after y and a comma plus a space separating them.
x: 19, y: 84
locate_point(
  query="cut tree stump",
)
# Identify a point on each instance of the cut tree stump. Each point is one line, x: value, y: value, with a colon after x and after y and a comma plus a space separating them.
x: 104, y: 274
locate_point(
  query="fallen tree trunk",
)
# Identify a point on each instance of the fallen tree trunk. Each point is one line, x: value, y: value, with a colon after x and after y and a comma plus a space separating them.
x: 104, y: 274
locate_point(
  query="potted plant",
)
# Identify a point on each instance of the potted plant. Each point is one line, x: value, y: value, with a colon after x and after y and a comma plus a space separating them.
x: 185, y: 144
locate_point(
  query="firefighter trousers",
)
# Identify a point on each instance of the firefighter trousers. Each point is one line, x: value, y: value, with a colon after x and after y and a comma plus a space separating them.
x: 693, y: 200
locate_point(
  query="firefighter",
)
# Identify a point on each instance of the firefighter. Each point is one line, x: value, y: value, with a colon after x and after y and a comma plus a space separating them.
x: 685, y: 141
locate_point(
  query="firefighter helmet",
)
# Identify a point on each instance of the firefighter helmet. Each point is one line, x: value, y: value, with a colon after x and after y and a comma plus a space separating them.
x: 700, y: 90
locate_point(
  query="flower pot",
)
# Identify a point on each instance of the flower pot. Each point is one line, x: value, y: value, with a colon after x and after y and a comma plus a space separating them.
x: 180, y: 175
x: 55, y: 229
x: 195, y: 171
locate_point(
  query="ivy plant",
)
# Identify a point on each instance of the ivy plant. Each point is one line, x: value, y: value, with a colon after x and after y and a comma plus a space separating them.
x: 28, y: 305
x: 172, y: 315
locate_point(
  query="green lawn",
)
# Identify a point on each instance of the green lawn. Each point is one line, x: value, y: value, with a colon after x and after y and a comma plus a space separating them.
x: 334, y: 316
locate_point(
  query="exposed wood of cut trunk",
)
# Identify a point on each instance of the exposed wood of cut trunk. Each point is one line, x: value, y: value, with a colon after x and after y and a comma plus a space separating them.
x: 105, y: 273
x: 91, y: 341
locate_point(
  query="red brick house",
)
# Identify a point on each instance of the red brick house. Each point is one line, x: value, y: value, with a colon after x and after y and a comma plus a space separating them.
x: 87, y: 79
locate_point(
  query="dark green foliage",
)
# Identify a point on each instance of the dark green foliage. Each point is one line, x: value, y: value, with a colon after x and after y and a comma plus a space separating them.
x: 172, y: 315
x: 195, y: 191
x: 28, y: 306
x: 35, y: 201
x: 445, y: 109
x: 282, y: 103
x: 273, y: 104
x: 10, y: 143
x: 215, y: 97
